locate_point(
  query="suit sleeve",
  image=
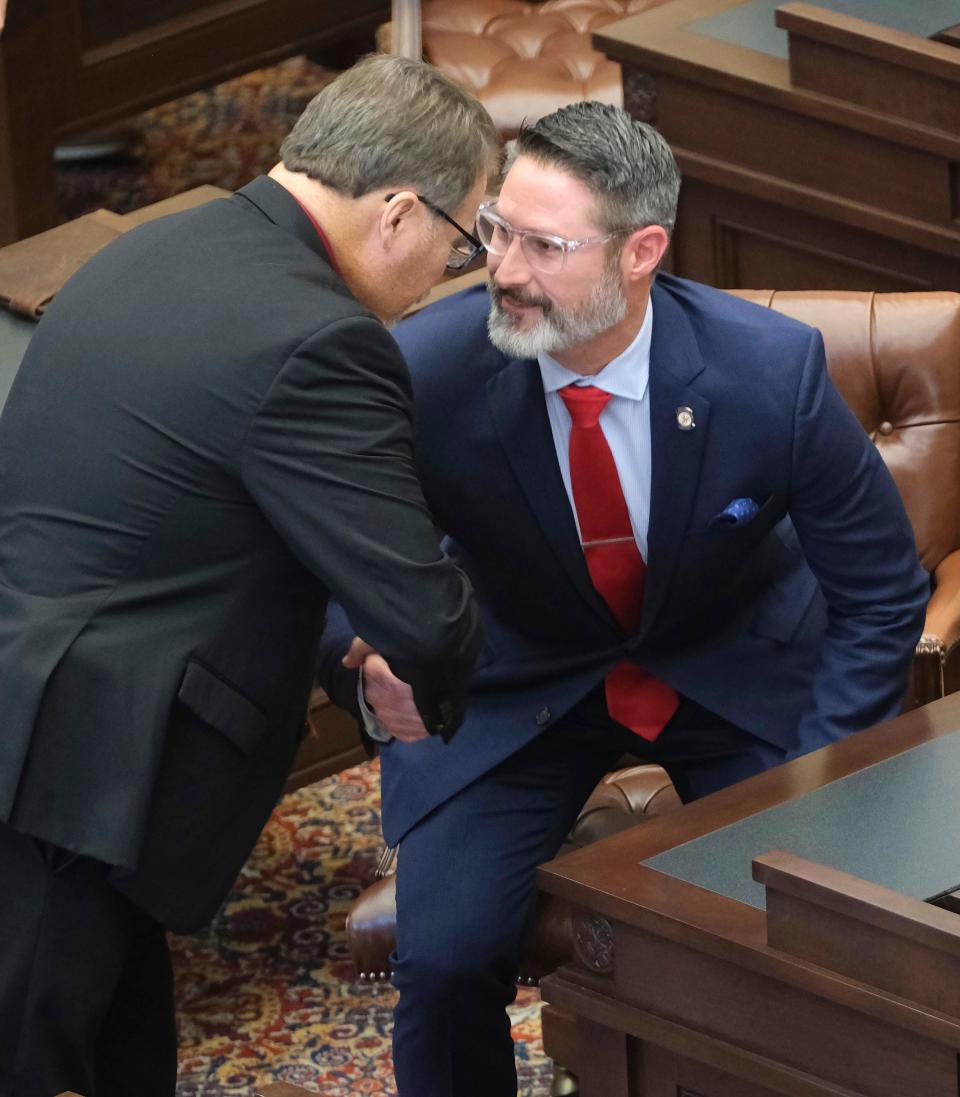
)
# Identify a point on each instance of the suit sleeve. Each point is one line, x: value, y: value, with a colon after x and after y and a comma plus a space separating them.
x: 857, y: 539
x: 339, y: 683
x: 329, y: 460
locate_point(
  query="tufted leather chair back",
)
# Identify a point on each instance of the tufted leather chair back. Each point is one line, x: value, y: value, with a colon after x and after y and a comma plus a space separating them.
x: 524, y: 60
x: 895, y: 357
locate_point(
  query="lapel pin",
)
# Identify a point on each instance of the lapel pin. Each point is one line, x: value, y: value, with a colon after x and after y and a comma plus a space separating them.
x: 685, y: 420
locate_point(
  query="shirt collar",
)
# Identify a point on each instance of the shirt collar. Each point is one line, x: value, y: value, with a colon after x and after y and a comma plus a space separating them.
x: 626, y: 375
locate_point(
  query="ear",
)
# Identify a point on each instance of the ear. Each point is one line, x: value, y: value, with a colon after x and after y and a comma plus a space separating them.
x: 396, y: 218
x: 643, y: 251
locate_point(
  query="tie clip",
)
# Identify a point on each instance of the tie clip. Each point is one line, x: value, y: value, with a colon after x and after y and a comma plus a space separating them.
x: 606, y: 541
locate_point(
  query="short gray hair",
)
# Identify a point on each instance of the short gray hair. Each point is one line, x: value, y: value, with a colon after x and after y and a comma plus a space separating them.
x: 626, y: 164
x: 394, y: 122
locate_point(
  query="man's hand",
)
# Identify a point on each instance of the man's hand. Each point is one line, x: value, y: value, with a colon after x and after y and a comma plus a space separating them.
x: 359, y: 650
x: 392, y: 701
x: 389, y: 696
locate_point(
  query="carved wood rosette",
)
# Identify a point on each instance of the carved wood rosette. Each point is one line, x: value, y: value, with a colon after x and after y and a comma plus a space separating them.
x: 593, y: 942
x: 639, y: 94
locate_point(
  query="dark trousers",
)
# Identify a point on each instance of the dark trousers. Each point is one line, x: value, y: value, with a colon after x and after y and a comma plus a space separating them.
x: 466, y: 884
x: 86, y: 989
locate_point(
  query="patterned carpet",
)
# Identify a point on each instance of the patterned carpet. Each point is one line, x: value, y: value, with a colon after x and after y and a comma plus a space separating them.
x: 268, y: 993
x: 225, y: 135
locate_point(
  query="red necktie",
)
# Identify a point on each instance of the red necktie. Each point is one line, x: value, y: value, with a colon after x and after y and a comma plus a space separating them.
x: 634, y: 698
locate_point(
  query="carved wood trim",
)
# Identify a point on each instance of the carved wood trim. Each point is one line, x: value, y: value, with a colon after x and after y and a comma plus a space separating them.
x: 593, y: 942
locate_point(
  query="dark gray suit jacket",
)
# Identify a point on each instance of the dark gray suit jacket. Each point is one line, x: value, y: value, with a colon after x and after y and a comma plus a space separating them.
x: 208, y: 435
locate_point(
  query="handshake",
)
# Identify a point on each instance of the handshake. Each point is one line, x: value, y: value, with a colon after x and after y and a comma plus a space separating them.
x: 392, y: 700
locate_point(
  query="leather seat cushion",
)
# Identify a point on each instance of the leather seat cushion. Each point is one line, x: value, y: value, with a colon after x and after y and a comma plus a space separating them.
x: 524, y: 60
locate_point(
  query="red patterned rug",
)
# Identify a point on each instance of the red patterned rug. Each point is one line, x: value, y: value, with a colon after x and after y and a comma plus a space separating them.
x: 268, y: 993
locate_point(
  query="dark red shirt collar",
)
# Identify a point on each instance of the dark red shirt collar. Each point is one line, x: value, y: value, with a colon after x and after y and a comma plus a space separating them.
x: 323, y: 237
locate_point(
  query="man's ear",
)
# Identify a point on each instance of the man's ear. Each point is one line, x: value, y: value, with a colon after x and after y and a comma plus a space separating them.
x: 643, y: 251
x: 396, y: 217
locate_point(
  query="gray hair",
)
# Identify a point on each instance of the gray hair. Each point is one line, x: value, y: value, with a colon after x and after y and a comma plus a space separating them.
x: 626, y: 164
x: 394, y: 122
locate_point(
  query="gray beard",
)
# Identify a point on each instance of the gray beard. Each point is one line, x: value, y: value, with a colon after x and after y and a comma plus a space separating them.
x: 558, y: 328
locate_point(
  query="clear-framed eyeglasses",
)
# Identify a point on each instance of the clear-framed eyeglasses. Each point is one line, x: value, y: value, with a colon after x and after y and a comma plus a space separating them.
x: 465, y: 248
x: 542, y: 250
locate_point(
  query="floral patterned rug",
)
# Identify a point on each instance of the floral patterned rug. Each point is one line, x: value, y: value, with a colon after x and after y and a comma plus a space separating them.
x: 268, y: 993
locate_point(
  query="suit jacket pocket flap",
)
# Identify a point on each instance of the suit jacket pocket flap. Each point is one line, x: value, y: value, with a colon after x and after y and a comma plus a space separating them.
x: 222, y: 707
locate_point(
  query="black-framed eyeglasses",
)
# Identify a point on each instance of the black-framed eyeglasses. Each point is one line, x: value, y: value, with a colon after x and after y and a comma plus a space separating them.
x: 465, y: 248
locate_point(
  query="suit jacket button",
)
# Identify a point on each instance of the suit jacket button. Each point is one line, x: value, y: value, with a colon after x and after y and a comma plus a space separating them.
x: 543, y: 717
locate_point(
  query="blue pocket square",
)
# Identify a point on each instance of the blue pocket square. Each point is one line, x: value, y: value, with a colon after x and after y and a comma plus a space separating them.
x: 736, y: 513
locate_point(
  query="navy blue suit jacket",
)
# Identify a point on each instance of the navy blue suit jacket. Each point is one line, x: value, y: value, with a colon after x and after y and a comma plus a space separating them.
x: 797, y: 625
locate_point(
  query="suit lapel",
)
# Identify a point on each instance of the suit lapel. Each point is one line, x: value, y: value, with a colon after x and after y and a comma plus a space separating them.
x: 519, y: 412
x: 676, y: 455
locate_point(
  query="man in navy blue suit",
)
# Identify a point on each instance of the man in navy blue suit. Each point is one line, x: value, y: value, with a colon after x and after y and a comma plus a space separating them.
x: 683, y: 543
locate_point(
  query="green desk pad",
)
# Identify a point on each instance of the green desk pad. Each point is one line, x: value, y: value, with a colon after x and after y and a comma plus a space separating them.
x: 896, y: 823
x: 15, y: 333
x: 752, y: 24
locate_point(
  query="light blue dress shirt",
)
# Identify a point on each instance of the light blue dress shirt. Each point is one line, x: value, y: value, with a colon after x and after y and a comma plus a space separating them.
x: 625, y: 421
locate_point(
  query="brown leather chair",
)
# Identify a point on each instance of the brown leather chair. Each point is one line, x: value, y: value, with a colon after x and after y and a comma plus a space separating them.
x: 895, y: 357
x: 524, y: 60
x: 622, y: 798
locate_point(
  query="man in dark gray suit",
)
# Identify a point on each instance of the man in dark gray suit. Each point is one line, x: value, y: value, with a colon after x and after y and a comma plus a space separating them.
x: 210, y: 434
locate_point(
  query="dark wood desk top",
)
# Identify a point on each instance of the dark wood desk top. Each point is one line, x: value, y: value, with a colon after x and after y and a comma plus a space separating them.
x: 669, y: 40
x: 894, y: 824
x: 752, y: 23
x: 613, y: 879
x: 616, y: 875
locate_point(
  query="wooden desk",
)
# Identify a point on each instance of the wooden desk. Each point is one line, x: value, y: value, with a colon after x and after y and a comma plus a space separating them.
x: 792, y: 187
x: 676, y: 990
x: 70, y: 65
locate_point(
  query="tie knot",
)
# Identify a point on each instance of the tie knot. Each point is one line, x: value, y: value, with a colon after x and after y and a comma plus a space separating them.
x: 585, y: 403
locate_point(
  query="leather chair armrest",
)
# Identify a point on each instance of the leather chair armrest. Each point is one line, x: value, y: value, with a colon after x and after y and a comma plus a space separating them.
x: 621, y: 800
x: 371, y: 929
x: 372, y: 924
x: 624, y: 798
x: 936, y: 669
x: 943, y: 610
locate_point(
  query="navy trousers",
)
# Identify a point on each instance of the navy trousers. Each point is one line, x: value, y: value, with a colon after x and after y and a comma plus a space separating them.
x: 466, y: 883
x: 86, y: 989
